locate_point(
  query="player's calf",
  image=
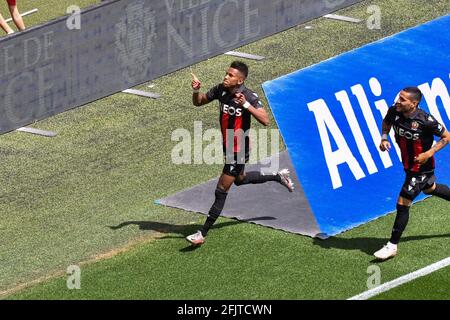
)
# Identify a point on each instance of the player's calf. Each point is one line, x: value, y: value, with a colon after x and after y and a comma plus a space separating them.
x: 401, y: 220
x: 255, y: 177
x: 441, y: 191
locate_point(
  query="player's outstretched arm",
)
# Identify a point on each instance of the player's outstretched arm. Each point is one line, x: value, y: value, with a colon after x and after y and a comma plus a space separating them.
x: 198, y: 98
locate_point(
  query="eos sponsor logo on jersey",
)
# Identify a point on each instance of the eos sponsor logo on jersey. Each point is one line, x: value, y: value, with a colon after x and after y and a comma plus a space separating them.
x: 405, y: 133
x: 232, y: 111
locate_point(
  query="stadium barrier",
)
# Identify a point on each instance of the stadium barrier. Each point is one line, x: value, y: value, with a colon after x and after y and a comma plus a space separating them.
x: 119, y: 44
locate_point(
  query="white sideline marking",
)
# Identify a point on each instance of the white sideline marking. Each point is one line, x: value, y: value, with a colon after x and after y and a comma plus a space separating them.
x: 342, y: 18
x: 245, y: 55
x: 404, y: 279
x: 39, y: 132
x: 142, y: 93
x: 23, y: 14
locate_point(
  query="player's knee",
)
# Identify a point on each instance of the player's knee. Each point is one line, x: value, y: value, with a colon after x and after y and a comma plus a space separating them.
x: 222, y: 188
x: 240, y: 180
x: 431, y: 190
x: 406, y: 199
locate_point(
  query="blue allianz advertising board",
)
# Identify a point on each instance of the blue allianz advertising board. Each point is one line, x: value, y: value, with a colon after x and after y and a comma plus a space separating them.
x: 330, y: 118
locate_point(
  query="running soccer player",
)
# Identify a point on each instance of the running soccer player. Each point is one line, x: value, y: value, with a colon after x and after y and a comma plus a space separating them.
x: 237, y: 105
x: 414, y: 133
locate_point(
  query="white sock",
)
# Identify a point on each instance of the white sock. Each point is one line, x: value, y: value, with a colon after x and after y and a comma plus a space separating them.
x: 391, y: 245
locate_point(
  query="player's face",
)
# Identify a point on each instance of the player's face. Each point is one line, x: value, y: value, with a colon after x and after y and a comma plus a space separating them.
x: 405, y: 103
x: 233, y: 78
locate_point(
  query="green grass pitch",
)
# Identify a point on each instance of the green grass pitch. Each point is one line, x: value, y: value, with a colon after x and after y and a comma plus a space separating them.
x: 61, y: 199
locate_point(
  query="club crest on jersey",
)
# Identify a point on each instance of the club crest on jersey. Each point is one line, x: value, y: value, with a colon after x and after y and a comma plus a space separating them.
x: 414, y: 125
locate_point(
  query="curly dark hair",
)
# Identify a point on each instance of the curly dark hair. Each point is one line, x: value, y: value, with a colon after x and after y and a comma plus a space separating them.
x: 241, y: 66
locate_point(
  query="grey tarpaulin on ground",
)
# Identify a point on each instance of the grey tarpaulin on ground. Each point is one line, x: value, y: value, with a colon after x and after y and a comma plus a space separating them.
x: 269, y: 204
x: 54, y: 67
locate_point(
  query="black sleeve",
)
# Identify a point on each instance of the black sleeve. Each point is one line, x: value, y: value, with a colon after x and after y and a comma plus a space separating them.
x: 214, y: 93
x: 434, y: 126
x: 253, y: 99
x: 390, y: 115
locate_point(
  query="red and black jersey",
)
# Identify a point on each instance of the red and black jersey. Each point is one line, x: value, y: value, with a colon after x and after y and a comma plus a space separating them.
x: 414, y: 135
x: 234, y: 119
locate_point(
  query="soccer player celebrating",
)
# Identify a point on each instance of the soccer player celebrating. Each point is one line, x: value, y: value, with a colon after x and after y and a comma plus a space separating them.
x: 237, y: 105
x: 414, y: 131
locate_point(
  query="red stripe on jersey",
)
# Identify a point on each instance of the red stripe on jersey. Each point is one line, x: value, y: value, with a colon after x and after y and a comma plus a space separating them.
x: 238, y: 140
x: 417, y: 150
x: 225, y: 119
x: 404, y: 151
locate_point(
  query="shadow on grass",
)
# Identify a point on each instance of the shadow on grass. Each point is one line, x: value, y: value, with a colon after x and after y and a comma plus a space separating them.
x: 183, y: 230
x: 368, y: 245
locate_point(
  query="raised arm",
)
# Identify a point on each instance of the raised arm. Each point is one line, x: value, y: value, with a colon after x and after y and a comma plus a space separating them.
x: 198, y: 98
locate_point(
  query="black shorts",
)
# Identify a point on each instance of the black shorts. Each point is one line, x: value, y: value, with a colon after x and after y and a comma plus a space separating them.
x: 235, y: 165
x: 415, y: 183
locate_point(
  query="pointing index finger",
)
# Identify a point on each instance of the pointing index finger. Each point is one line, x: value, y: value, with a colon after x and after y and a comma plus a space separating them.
x: 194, y: 77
